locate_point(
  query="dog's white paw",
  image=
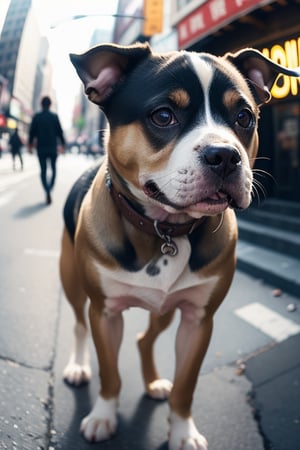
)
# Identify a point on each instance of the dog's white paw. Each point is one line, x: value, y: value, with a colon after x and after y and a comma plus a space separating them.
x: 184, y: 435
x: 159, y: 389
x: 78, y: 369
x: 101, y: 423
x: 77, y: 374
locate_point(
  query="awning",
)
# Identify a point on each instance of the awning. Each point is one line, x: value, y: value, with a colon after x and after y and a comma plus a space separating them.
x: 211, y: 16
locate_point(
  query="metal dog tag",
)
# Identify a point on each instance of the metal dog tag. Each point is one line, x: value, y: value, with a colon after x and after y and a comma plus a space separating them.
x: 168, y: 247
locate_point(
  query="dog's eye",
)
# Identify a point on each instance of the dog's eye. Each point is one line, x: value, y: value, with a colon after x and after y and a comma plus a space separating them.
x: 245, y: 118
x: 163, y: 117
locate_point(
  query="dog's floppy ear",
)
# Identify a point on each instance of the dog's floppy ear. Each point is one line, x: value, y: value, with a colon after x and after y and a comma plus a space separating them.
x: 260, y: 71
x: 103, y: 66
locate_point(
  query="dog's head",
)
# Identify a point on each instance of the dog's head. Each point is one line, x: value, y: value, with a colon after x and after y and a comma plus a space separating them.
x: 183, y: 126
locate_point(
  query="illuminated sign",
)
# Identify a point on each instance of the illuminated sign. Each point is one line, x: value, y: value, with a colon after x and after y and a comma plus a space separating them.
x: 153, y: 12
x: 2, y: 120
x: 287, y: 55
x: 11, y: 123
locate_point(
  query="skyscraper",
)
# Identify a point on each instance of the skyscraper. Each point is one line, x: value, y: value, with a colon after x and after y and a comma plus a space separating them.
x: 10, y: 38
x: 21, y: 61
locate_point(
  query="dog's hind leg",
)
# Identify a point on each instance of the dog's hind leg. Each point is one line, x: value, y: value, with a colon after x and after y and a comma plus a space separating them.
x: 77, y: 370
x: 156, y: 387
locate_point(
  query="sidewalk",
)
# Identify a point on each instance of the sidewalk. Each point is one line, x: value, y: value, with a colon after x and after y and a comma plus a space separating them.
x: 10, y: 177
x: 6, y: 163
x: 275, y: 394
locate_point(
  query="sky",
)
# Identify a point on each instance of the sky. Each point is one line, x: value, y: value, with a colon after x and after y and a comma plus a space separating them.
x: 68, y: 36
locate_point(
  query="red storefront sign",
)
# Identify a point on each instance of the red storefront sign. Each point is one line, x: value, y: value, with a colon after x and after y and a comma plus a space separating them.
x: 211, y: 16
x: 2, y: 120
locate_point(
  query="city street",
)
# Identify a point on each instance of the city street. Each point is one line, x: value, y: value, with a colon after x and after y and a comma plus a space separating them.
x: 248, y: 393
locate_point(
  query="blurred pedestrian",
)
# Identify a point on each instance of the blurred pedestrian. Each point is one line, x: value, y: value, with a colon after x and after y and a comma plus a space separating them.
x: 47, y: 136
x: 16, y: 144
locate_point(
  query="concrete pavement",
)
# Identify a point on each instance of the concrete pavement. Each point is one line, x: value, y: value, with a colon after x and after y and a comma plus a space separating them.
x: 275, y: 394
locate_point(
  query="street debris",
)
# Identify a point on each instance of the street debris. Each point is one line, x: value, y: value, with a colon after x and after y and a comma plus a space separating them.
x: 241, y: 367
x: 291, y: 307
x: 277, y: 292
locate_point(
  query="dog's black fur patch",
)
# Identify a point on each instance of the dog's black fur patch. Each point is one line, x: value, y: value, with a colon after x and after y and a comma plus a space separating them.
x: 126, y: 256
x: 75, y: 197
x: 152, y: 83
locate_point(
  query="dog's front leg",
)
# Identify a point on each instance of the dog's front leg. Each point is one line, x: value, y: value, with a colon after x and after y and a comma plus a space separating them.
x: 192, y: 340
x: 107, y: 332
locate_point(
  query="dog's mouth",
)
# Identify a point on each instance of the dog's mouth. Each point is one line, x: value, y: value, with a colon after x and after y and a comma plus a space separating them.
x: 212, y: 204
x: 221, y: 197
x: 218, y: 198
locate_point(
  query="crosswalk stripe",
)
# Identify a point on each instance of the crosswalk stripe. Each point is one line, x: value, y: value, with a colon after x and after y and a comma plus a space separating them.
x: 268, y: 321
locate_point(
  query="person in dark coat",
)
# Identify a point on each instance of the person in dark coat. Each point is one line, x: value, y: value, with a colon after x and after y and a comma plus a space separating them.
x: 16, y: 144
x: 47, y: 136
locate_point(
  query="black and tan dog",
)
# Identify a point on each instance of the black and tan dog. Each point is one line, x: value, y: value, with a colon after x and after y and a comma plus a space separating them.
x: 154, y: 226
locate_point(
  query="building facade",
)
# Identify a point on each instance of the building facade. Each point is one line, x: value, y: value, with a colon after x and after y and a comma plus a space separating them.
x: 11, y: 38
x: 129, y: 22
x: 140, y: 20
x: 23, y: 63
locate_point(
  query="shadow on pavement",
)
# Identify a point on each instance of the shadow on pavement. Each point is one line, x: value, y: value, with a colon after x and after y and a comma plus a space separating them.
x: 138, y: 426
x: 29, y: 210
x: 133, y: 433
x: 82, y: 406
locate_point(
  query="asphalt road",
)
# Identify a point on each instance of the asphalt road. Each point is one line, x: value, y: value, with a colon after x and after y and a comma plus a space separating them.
x: 248, y: 392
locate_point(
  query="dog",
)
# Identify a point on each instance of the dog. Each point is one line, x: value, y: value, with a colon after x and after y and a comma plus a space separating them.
x: 154, y: 225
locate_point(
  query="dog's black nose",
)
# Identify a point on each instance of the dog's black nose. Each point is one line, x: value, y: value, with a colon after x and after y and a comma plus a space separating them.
x: 221, y: 159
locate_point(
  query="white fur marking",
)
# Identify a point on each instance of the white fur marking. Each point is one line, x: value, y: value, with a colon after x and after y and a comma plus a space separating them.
x: 154, y: 292
x: 160, y: 389
x: 101, y: 423
x: 184, y: 434
x: 78, y: 369
x: 205, y: 74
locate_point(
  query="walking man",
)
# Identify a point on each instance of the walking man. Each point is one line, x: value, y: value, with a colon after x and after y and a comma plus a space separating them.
x: 16, y: 143
x: 46, y: 134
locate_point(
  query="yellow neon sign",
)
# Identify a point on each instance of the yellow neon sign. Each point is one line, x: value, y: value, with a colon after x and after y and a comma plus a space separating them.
x: 287, y: 55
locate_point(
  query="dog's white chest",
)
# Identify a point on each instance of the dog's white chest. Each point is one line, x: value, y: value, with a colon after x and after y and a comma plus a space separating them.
x: 159, y: 285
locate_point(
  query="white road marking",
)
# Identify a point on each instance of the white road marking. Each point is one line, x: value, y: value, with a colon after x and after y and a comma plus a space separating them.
x: 41, y: 252
x: 269, y: 322
x: 6, y: 182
